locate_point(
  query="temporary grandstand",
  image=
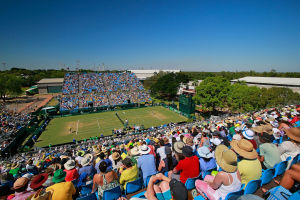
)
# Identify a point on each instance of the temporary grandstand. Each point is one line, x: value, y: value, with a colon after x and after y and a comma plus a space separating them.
x: 50, y: 85
x: 86, y: 90
x: 267, y: 82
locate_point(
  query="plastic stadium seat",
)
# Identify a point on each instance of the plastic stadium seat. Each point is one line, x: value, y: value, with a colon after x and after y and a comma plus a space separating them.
x: 140, y: 195
x: 190, y: 182
x: 147, y: 180
x: 86, y: 189
x: 252, y: 186
x: 280, y: 168
x: 112, y: 194
x: 134, y: 186
x: 88, y: 197
x: 234, y: 194
x: 267, y: 176
x: 295, y: 159
x: 199, y: 198
x: 295, y: 196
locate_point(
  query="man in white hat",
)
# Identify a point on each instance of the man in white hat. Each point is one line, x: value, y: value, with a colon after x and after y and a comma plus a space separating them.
x: 146, y: 162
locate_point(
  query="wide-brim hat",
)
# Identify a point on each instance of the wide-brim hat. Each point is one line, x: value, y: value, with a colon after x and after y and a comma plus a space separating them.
x: 115, y: 156
x: 248, y: 134
x: 20, y: 183
x: 38, y: 180
x: 244, y: 148
x: 144, y: 149
x: 189, y: 141
x: 204, y: 152
x: 70, y: 164
x: 293, y: 133
x: 257, y: 129
x: 226, y: 158
x: 87, y: 159
x: 59, y: 176
x: 134, y: 151
x: 178, y: 146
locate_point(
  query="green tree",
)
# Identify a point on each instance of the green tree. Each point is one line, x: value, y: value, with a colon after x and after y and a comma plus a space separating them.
x: 166, y: 86
x: 9, y: 85
x: 212, y: 93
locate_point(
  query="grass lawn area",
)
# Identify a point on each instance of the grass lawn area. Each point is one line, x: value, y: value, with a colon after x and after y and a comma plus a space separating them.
x: 95, y: 124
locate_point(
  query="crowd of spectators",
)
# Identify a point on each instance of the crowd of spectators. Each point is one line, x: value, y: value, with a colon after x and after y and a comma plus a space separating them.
x: 101, y: 89
x: 10, y: 123
x: 234, y: 150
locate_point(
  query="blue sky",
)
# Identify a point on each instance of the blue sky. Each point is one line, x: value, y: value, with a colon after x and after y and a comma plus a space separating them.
x: 189, y: 35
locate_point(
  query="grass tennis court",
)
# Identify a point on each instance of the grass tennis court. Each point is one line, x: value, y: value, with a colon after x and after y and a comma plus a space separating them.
x: 90, y: 125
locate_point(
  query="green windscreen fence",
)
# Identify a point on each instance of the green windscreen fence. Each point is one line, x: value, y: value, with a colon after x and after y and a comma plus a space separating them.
x: 54, y: 89
x: 186, y: 104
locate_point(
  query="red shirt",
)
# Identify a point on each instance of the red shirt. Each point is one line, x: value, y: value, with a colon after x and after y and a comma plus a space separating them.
x: 189, y: 168
x: 254, y: 143
x: 71, y: 175
x: 295, y: 119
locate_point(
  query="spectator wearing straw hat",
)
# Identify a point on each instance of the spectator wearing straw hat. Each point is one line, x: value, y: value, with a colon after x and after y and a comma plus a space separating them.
x: 20, y: 187
x: 61, y: 190
x: 72, y: 173
x: 146, y: 162
x: 117, y: 161
x: 292, y: 147
x: 226, y: 181
x: 249, y: 166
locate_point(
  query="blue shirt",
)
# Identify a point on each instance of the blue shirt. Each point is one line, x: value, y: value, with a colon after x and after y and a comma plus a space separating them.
x: 204, y: 166
x: 89, y: 170
x: 108, y: 162
x: 147, y: 165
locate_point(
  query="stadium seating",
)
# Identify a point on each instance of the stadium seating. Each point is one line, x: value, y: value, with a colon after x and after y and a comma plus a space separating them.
x: 280, y: 168
x: 252, y: 186
x: 112, y: 194
x: 91, y: 196
x: 234, y: 194
x: 190, y: 182
x: 134, y: 186
x: 267, y: 176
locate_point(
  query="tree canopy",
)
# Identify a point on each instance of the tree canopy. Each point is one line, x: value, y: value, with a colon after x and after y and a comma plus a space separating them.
x: 9, y: 85
x: 167, y: 85
x: 217, y: 93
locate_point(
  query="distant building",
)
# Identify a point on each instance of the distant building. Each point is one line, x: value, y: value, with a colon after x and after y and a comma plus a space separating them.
x: 50, y: 85
x: 188, y: 88
x: 268, y: 82
x: 143, y: 74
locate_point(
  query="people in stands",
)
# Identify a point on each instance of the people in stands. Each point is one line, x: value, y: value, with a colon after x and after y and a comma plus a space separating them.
x: 87, y: 167
x: 61, y: 190
x: 117, y: 161
x: 21, y: 189
x: 249, y: 166
x: 129, y: 172
x: 71, y: 171
x: 168, y: 163
x: 167, y: 189
x: 290, y: 148
x: 226, y: 181
x: 189, y: 166
x: 206, y: 160
x: 291, y: 176
x: 146, y: 162
x: 161, y: 150
x: 103, y: 157
x: 104, y: 180
x: 248, y: 134
x: 269, y: 153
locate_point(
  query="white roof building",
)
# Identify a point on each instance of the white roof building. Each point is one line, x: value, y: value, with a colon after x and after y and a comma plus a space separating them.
x: 267, y: 82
